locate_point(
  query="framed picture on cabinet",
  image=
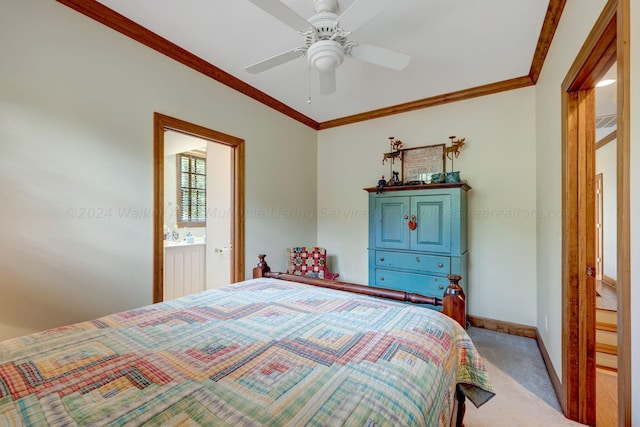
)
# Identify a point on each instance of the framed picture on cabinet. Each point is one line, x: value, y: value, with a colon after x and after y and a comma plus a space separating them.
x: 420, y: 161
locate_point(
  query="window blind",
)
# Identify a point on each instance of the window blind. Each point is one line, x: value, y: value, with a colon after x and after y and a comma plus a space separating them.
x: 192, y: 190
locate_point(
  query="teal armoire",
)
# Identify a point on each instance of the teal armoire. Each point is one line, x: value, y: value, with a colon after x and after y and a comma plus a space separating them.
x: 417, y: 236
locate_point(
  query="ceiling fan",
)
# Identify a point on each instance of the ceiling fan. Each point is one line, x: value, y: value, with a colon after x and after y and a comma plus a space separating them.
x: 326, y: 43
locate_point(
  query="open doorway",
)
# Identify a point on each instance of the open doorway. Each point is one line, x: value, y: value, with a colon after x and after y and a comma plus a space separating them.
x: 606, y: 327
x: 185, y: 215
x: 607, y: 44
x: 224, y: 207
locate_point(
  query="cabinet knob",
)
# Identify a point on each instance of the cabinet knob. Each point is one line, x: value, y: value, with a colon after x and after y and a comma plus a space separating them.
x: 440, y: 265
x: 406, y: 217
x: 382, y: 278
x: 417, y: 259
x: 440, y: 287
x: 381, y: 258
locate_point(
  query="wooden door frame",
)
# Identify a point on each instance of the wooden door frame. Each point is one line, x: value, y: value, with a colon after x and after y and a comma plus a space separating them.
x: 607, y: 43
x: 161, y: 123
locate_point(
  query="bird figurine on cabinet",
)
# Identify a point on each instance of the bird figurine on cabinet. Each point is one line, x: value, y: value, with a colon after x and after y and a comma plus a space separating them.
x: 381, y: 184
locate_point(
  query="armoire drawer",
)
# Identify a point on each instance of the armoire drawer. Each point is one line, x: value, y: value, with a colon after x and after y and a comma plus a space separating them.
x: 412, y: 261
x: 424, y: 284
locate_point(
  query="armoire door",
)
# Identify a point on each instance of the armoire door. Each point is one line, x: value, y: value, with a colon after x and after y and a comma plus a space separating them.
x: 433, y: 223
x: 392, y: 214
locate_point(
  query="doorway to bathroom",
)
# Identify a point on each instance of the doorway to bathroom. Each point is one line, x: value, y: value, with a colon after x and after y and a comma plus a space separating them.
x: 198, y: 201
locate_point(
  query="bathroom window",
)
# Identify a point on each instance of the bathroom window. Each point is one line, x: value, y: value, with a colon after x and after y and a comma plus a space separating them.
x: 192, y: 190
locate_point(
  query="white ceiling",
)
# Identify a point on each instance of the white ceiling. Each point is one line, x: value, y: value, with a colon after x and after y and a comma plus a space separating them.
x: 606, y: 105
x: 178, y: 142
x: 454, y: 45
x: 606, y: 95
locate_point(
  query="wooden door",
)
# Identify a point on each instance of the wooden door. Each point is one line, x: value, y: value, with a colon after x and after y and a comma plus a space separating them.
x: 392, y: 214
x: 433, y: 223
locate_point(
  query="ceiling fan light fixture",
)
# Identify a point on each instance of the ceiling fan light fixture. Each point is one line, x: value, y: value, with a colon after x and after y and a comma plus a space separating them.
x: 325, y: 55
x: 605, y: 82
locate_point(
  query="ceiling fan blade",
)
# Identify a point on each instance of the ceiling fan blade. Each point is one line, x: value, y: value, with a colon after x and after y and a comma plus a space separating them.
x: 380, y: 56
x: 274, y: 61
x: 360, y: 12
x: 284, y: 13
x: 327, y: 82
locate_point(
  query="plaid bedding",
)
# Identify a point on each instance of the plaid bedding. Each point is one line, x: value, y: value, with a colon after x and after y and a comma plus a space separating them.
x: 261, y: 352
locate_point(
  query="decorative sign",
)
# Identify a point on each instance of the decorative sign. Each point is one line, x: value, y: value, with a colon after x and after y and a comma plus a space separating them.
x: 418, y: 162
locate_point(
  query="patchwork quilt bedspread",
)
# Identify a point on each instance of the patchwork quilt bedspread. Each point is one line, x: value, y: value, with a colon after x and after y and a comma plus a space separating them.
x: 261, y: 352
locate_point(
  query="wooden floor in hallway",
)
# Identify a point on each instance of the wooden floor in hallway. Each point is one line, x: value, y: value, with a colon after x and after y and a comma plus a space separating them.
x: 606, y: 398
x: 606, y: 296
x: 606, y: 379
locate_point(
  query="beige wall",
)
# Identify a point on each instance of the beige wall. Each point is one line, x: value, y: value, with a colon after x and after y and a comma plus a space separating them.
x: 76, y: 162
x: 606, y: 164
x: 498, y: 160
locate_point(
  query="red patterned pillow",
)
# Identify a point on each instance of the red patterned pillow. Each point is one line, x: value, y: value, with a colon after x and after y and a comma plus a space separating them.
x: 307, y: 261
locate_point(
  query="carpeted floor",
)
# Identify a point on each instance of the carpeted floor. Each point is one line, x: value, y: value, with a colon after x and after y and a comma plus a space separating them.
x: 524, y: 394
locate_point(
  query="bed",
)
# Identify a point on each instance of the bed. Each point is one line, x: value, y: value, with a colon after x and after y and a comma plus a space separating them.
x: 266, y: 351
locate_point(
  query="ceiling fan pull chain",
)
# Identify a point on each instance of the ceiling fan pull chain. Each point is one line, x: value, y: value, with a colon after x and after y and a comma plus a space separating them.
x: 309, y: 83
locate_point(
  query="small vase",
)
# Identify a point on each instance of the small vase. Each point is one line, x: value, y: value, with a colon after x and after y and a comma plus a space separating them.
x: 438, y: 177
x: 453, y: 176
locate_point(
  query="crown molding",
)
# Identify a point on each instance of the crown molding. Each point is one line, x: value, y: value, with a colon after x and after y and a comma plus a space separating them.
x: 106, y: 16
x: 549, y: 26
x: 137, y: 32
x: 461, y: 95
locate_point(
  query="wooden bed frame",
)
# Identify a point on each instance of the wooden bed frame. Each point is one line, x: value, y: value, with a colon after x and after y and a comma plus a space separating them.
x: 453, y: 304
